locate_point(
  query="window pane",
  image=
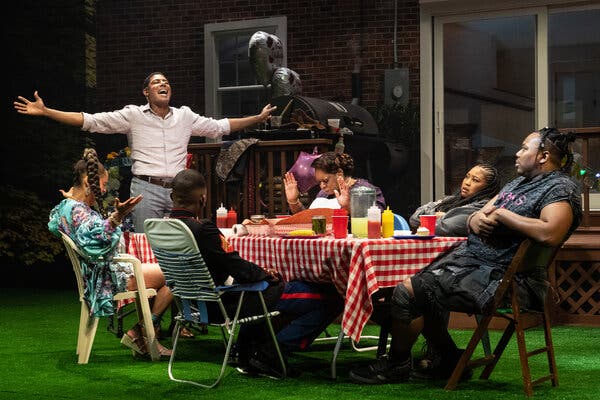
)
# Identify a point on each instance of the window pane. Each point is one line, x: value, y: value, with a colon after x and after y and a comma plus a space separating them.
x: 246, y: 74
x: 227, y: 74
x: 226, y: 45
x: 234, y: 64
x: 242, y: 103
x: 574, y: 68
x: 489, y: 93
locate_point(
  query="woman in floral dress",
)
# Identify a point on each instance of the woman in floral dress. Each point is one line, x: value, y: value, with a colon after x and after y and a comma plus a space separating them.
x: 97, y: 237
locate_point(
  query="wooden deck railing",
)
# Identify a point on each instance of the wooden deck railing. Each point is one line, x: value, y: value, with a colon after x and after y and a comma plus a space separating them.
x: 260, y: 189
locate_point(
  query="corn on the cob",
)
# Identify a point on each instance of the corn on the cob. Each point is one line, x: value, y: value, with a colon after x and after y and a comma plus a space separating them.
x: 302, y: 232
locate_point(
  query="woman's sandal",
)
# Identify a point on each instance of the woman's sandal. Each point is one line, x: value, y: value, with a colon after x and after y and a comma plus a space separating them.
x: 186, y: 333
x: 138, y: 343
x: 163, y: 351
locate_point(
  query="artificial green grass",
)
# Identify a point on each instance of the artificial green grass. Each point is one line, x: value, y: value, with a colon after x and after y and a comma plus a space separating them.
x: 38, y: 361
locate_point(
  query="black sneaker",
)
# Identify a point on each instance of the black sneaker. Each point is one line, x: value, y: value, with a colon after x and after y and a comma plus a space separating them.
x: 441, y: 369
x: 383, y: 370
x: 266, y: 364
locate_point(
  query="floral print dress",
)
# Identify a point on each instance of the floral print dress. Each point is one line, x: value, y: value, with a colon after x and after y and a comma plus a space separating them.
x: 98, y: 240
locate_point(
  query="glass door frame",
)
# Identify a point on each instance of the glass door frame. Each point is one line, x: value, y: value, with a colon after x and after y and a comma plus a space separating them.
x: 436, y: 147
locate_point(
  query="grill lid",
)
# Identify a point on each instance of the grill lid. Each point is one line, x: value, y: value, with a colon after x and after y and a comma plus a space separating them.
x: 351, y: 116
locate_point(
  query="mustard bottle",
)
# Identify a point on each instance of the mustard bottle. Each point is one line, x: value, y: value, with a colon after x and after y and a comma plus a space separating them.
x: 387, y: 223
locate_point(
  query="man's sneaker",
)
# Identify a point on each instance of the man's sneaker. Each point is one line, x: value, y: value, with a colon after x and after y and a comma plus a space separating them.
x: 441, y: 369
x: 266, y: 364
x: 384, y: 370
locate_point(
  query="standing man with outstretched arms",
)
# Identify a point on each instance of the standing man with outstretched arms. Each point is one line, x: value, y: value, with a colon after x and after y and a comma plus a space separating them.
x: 158, y: 136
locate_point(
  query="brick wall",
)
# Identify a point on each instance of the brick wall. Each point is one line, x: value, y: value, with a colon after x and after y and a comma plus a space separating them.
x: 137, y: 37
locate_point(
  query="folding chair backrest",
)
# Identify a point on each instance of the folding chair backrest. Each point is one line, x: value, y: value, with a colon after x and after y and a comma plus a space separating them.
x: 180, y: 260
x: 530, y: 256
x: 536, y: 256
x: 74, y: 255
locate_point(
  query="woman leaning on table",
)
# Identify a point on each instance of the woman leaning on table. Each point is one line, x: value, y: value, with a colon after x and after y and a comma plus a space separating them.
x: 333, y: 173
x: 316, y: 305
x: 479, y: 185
x: 97, y: 237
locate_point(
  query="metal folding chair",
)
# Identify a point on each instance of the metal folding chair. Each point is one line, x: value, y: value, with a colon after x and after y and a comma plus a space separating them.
x: 192, y: 286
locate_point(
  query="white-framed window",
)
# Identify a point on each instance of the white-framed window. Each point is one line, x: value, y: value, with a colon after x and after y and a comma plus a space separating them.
x: 231, y: 89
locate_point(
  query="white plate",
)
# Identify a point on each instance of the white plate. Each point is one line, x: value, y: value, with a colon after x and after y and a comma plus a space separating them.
x: 415, y: 237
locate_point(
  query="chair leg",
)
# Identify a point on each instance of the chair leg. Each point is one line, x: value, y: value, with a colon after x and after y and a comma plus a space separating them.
x: 84, y: 317
x: 525, y: 370
x: 550, y: 347
x: 272, y: 331
x: 336, y: 350
x: 468, y: 353
x: 500, y: 347
x: 144, y: 314
x: 176, y: 333
x: 88, y: 340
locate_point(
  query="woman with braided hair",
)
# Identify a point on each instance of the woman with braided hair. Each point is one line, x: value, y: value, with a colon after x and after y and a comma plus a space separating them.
x: 98, y: 237
x: 479, y: 185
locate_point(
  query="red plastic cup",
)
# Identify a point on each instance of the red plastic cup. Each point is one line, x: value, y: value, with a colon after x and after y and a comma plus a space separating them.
x: 428, y: 221
x: 340, y: 226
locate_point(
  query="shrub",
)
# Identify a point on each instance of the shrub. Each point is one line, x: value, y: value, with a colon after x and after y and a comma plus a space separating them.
x: 24, y: 234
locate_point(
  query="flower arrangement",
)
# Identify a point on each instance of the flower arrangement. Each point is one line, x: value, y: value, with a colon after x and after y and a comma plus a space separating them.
x: 113, y: 164
x: 116, y: 164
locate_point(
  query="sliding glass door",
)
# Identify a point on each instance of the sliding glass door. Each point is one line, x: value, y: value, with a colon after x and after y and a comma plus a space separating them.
x: 495, y: 76
x: 485, y: 93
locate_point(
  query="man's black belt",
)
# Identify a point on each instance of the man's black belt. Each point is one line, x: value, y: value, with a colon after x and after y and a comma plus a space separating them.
x: 166, y: 183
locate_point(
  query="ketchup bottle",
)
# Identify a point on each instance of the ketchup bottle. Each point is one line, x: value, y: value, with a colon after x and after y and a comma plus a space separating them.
x: 231, y: 218
x: 221, y: 217
x: 374, y: 222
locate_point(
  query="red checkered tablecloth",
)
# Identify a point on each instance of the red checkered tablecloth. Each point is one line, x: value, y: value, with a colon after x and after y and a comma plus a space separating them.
x: 358, y: 268
x: 137, y: 245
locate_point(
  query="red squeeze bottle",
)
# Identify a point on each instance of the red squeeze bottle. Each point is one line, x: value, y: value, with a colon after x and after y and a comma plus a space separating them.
x: 231, y: 218
x: 373, y: 230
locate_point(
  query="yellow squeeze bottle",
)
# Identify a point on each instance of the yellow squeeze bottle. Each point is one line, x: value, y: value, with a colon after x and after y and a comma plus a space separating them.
x: 387, y: 223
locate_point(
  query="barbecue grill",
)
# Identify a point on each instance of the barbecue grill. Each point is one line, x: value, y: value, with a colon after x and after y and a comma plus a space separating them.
x: 351, y: 116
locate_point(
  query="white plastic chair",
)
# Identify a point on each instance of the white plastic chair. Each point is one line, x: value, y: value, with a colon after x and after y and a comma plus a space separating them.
x: 192, y: 286
x: 88, y: 323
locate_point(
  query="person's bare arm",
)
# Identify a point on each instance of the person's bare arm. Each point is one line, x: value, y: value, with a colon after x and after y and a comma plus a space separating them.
x: 480, y: 223
x: 237, y: 124
x: 38, y: 108
x: 292, y: 193
x: 549, y: 229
